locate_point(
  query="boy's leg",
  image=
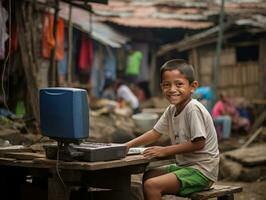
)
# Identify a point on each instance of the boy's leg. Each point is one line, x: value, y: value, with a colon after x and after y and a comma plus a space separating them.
x: 173, y: 180
x: 157, y: 182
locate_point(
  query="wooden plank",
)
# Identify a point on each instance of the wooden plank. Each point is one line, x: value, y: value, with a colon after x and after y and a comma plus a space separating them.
x: 127, y: 161
x: 6, y: 159
x: 19, y: 163
x: 22, y: 155
x: 133, y: 164
x: 216, y: 191
x: 258, y: 122
x: 15, y: 148
x: 191, y: 40
x: 249, y: 156
x: 252, y: 138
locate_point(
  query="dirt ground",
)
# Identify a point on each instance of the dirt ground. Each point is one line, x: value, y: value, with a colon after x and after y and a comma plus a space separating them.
x: 251, y: 191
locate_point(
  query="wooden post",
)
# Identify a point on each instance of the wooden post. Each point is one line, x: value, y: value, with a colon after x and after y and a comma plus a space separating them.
x: 53, y: 80
x: 153, y: 74
x: 27, y: 55
x: 262, y: 64
x: 216, y: 65
x: 195, y: 62
x: 69, y: 50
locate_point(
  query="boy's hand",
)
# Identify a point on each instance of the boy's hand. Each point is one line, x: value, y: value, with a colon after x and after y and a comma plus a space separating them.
x: 127, y: 148
x: 155, y: 151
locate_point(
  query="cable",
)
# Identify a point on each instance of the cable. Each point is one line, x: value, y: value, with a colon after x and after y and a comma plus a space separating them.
x: 7, y: 57
x: 57, y: 170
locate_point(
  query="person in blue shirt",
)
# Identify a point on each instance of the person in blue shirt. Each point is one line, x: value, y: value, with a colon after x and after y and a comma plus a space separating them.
x: 206, y: 96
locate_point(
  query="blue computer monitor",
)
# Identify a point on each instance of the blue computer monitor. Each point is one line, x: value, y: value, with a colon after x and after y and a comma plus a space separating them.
x: 64, y: 113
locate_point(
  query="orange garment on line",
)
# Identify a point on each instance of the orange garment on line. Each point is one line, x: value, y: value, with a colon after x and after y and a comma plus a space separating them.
x: 48, y: 40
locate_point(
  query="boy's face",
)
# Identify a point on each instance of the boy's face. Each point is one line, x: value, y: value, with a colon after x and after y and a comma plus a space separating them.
x: 176, y: 87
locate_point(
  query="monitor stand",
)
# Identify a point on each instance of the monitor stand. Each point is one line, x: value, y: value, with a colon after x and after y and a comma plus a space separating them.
x: 62, y: 151
x: 67, y: 152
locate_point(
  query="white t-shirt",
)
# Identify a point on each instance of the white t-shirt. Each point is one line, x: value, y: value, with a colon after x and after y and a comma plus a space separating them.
x: 194, y: 121
x: 125, y: 93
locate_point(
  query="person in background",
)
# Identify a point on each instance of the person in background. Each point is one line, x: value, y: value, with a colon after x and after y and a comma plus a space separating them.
x: 109, y: 90
x: 205, y: 95
x: 245, y: 109
x: 221, y: 117
x: 124, y: 93
x: 133, y: 64
x: 225, y: 113
x: 192, y: 133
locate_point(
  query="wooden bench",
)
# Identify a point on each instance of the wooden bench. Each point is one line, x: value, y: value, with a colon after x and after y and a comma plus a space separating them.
x: 221, y: 192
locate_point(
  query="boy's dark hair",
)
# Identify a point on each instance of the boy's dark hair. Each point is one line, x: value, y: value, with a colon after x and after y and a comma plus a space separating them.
x: 182, y: 66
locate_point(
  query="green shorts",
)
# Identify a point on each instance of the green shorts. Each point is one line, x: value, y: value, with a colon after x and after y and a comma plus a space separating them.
x: 192, y: 180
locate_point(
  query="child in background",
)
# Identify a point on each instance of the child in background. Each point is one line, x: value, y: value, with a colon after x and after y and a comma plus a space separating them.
x: 192, y: 133
x: 222, y: 117
x: 124, y: 93
x: 223, y: 110
x: 109, y: 90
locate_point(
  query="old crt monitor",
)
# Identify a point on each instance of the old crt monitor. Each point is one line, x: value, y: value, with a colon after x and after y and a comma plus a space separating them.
x: 64, y: 114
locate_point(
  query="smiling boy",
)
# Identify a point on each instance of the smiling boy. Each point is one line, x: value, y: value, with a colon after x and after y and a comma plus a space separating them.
x: 192, y: 133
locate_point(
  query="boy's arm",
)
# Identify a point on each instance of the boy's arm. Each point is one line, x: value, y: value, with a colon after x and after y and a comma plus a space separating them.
x: 147, y: 138
x: 190, y: 146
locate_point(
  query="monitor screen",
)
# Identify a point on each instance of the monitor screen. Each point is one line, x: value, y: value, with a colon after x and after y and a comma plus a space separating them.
x: 64, y: 113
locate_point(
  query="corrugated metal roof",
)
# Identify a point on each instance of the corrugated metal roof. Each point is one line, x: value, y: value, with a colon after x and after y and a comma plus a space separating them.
x: 189, y: 14
x: 99, y: 31
x: 152, y: 14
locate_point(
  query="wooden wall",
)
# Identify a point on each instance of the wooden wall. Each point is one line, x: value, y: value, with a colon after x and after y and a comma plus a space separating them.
x: 262, y: 64
x: 241, y: 79
x: 235, y: 78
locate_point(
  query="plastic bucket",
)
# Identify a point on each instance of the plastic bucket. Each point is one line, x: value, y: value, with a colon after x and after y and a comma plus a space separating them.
x: 145, y: 121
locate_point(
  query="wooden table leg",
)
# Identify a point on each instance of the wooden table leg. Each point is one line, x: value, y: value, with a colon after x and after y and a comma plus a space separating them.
x: 11, y: 180
x: 123, y: 192
x: 57, y: 190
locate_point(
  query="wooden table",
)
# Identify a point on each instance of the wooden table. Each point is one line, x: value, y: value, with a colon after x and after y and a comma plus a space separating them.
x: 114, y: 175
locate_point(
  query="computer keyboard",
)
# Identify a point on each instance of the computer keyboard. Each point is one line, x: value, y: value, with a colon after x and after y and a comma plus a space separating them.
x: 94, y: 144
x: 101, y: 151
x: 136, y: 150
x: 88, y: 151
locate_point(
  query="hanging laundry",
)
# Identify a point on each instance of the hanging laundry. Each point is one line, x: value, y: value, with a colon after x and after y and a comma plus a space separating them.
x: 110, y: 63
x: 48, y: 39
x: 86, y: 53
x: 97, y: 73
x: 3, y: 34
x: 62, y: 64
x: 14, y: 38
